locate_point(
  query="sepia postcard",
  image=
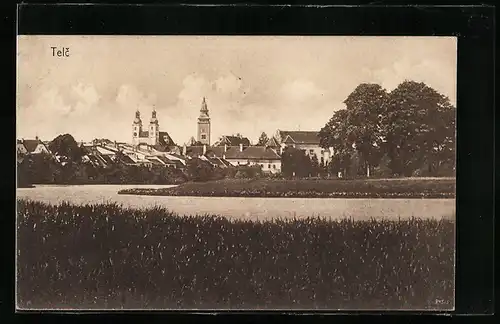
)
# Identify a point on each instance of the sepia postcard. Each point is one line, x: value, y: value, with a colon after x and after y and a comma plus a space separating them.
x: 235, y: 173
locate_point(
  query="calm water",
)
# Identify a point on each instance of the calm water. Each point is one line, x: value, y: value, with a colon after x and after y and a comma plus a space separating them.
x: 248, y: 208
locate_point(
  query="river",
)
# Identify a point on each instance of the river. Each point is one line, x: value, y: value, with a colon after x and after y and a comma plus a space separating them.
x: 247, y: 208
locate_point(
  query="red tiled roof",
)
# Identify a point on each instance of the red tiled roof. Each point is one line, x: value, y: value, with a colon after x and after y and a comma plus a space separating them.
x: 252, y: 153
x: 301, y: 137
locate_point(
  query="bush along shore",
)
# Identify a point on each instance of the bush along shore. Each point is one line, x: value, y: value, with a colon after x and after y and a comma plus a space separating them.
x: 107, y: 256
x: 441, y: 188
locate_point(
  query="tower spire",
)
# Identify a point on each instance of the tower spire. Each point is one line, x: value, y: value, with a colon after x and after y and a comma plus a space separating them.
x: 204, y: 124
x: 204, y: 108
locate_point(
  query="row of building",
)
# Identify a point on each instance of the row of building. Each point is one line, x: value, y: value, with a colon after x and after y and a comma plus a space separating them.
x: 152, y: 147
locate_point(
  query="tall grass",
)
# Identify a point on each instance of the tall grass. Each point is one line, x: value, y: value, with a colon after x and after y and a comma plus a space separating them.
x: 106, y: 256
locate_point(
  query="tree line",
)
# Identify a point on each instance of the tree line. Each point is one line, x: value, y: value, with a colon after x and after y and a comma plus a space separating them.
x: 409, y: 131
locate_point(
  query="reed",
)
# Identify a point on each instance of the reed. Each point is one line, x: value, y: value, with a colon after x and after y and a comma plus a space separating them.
x: 107, y: 256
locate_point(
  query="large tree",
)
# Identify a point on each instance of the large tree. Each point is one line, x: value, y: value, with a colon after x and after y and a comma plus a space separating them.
x: 295, y: 162
x: 358, y: 127
x: 419, y: 127
x: 65, y: 145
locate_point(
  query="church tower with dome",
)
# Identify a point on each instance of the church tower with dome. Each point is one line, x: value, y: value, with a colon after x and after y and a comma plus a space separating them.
x: 136, y: 128
x: 154, y: 129
x: 151, y: 136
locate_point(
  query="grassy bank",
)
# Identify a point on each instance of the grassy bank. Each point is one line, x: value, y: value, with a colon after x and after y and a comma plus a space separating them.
x: 98, y: 256
x: 371, y: 188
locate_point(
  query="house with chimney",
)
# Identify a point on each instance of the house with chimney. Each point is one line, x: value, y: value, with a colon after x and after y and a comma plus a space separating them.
x: 264, y: 156
x: 307, y: 141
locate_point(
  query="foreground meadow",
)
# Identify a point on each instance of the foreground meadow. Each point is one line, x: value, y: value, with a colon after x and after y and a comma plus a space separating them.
x: 107, y: 256
x: 308, y: 188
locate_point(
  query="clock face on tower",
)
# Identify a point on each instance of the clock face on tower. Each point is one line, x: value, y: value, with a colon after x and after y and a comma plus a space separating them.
x: 135, y: 133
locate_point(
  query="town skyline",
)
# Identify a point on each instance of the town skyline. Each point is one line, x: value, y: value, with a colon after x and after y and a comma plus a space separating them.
x: 251, y: 84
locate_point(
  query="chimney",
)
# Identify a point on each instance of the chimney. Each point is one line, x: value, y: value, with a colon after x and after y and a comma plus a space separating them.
x: 223, y: 156
x: 241, y: 147
x: 281, y: 150
x: 184, y: 150
x: 225, y: 148
x: 204, y: 149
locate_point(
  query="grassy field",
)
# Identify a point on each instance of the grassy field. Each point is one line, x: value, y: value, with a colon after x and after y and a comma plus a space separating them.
x: 370, y: 188
x: 105, y: 256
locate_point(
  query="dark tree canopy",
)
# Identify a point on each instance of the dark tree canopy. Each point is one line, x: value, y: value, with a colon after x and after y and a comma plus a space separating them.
x: 413, y: 127
x: 295, y: 162
x: 65, y: 145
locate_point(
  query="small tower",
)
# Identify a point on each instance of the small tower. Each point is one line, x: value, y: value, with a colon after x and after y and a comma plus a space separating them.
x: 204, y: 124
x: 136, y: 128
x: 154, y: 129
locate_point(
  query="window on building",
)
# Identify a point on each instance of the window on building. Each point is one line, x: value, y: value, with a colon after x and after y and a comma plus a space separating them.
x: 311, y: 152
x: 262, y: 165
x: 274, y: 166
x: 203, y: 136
x: 269, y: 166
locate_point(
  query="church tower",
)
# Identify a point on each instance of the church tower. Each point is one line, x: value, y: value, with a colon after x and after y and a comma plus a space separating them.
x: 154, y: 129
x: 136, y: 128
x: 204, y: 124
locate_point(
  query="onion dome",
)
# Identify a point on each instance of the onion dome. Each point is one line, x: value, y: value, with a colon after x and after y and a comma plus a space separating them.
x: 154, y: 120
x: 137, y: 119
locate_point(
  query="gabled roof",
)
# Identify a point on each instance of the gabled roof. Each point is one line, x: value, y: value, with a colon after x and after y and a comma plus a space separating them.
x: 272, y: 142
x: 300, y: 137
x: 165, y: 139
x: 233, y: 141
x: 219, y: 162
x: 252, y: 153
x: 31, y: 145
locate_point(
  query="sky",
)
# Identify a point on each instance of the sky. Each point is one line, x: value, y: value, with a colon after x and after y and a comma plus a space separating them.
x: 252, y: 84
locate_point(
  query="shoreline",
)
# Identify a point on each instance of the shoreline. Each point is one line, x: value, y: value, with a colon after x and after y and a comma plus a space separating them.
x: 349, y: 189
x: 141, y: 192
